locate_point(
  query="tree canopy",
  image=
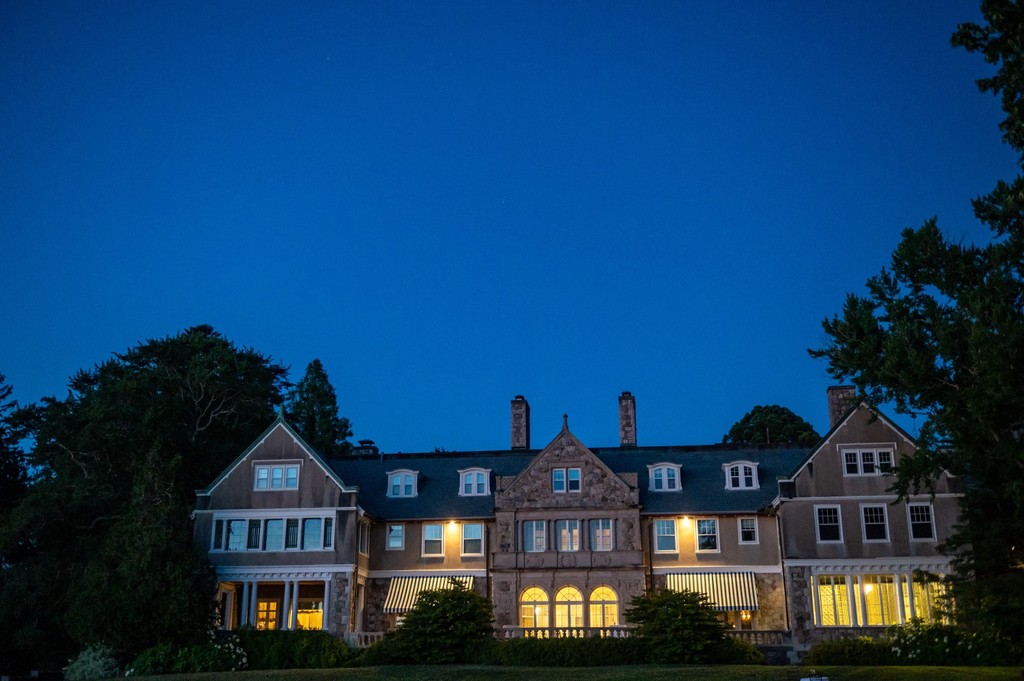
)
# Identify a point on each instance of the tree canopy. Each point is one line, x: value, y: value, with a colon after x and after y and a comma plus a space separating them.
x: 102, y: 539
x: 940, y: 334
x: 677, y: 627
x: 771, y: 423
x: 313, y: 410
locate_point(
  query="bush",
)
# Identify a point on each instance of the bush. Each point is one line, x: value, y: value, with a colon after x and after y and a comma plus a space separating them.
x: 676, y: 626
x: 95, y: 662
x: 942, y: 644
x: 733, y: 650
x: 294, y: 649
x: 562, y: 652
x: 855, y: 650
x: 222, y: 654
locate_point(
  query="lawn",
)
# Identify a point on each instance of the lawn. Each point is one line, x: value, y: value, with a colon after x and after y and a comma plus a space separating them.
x: 625, y: 673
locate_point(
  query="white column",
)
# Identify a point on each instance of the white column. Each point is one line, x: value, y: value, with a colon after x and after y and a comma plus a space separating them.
x: 898, y: 583
x: 863, y: 604
x: 295, y: 605
x: 286, y: 608
x: 327, y: 604
x: 816, y: 599
x: 910, y: 596
x: 851, y: 593
x: 243, y: 615
x: 252, y: 602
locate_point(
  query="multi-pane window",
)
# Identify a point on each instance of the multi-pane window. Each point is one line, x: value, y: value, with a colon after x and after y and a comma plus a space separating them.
x: 604, y: 607
x: 533, y: 609
x: 254, y: 534
x: 565, y: 479
x: 473, y: 483
x: 568, y: 607
x: 664, y: 536
x: 867, y: 461
x: 533, y: 536
x: 874, y: 523
x: 748, y: 530
x: 922, y: 526
x: 236, y: 535
x: 601, y: 535
x: 707, y: 534
x: 567, y: 533
x: 472, y: 539
x: 558, y: 480
x: 273, y: 534
x: 402, y: 484
x: 828, y: 523
x: 291, y: 533
x: 574, y: 479
x: 664, y: 478
x: 741, y: 475
x: 880, y: 595
x: 833, y: 601
x: 396, y: 537
x: 277, y: 476
x: 312, y: 536
x: 433, y: 539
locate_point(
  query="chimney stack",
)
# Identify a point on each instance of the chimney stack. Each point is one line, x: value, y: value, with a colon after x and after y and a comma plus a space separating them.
x: 520, y: 423
x: 627, y: 420
x: 840, y: 399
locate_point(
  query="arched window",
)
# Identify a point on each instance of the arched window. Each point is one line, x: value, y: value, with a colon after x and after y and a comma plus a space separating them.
x: 568, y: 608
x: 533, y: 608
x: 604, y: 607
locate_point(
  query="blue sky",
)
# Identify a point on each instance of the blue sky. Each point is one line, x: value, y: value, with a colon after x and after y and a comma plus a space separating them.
x: 451, y: 203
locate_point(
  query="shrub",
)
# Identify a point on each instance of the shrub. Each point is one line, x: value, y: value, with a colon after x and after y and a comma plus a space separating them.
x: 295, y: 649
x: 942, y: 644
x: 733, y: 650
x: 676, y: 626
x: 855, y: 650
x: 562, y: 652
x: 222, y: 654
x: 95, y: 662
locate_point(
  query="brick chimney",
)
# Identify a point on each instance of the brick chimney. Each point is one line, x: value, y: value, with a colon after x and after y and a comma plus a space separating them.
x: 840, y: 399
x: 627, y: 420
x: 520, y: 423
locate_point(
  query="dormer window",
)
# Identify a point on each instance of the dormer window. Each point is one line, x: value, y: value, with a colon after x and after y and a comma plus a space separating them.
x: 741, y: 475
x: 664, y: 477
x: 277, y: 476
x: 402, y: 483
x: 474, y: 482
x: 565, y: 479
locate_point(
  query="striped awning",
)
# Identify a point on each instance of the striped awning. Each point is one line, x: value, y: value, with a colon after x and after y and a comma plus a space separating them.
x: 727, y: 590
x: 403, y: 591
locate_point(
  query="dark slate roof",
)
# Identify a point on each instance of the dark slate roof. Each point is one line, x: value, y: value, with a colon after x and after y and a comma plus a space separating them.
x: 702, y: 478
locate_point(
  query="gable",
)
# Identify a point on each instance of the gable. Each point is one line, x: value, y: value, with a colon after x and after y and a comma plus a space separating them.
x: 598, y: 486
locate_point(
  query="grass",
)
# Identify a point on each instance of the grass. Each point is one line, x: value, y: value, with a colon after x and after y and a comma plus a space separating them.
x: 625, y: 673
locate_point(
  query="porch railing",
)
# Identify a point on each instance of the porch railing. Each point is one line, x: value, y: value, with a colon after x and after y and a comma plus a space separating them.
x: 760, y: 637
x: 512, y: 631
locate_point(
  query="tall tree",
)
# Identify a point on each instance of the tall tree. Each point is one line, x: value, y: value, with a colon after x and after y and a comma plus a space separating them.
x: 940, y: 333
x: 12, y: 470
x: 102, y: 540
x: 313, y: 410
x: 771, y: 423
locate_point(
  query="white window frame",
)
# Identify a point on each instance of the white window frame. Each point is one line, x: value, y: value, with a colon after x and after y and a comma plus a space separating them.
x: 739, y: 530
x: 533, y: 534
x: 659, y: 472
x: 665, y: 522
x: 574, y: 475
x: 387, y: 536
x: 362, y: 539
x: 481, y: 539
x: 595, y: 528
x: 269, y: 467
x: 479, y: 480
x: 741, y: 482
x: 564, y: 530
x: 317, y: 537
x: 407, y: 488
x: 817, y: 523
x: 697, y: 535
x: 559, y: 482
x: 325, y: 537
x: 876, y: 454
x: 424, y: 540
x: 864, y: 524
x: 910, y: 521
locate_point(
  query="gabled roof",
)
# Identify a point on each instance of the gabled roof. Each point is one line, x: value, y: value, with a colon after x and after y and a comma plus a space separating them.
x: 279, y: 422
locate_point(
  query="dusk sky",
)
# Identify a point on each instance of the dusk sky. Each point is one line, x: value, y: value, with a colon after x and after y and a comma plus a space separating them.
x: 452, y: 203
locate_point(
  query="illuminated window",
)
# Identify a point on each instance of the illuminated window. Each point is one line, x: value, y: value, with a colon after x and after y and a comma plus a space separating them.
x: 604, y: 607
x: 830, y: 528
x: 748, y: 530
x: 472, y: 539
x: 664, y: 536
x: 601, y: 535
x: 707, y: 534
x: 664, y: 477
x: 433, y: 539
x: 266, y: 614
x: 568, y: 608
x: 567, y: 533
x: 474, y: 482
x: 277, y: 476
x: 833, y: 601
x: 741, y: 475
x: 533, y: 536
x: 879, y: 599
x: 533, y: 609
x: 402, y: 483
x: 310, y: 614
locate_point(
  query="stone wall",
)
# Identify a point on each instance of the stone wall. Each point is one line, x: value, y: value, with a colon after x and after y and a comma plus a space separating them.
x: 771, y: 599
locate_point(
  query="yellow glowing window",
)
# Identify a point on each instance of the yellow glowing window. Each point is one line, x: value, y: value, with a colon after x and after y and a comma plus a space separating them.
x: 833, y: 601
x: 568, y: 607
x: 533, y: 608
x: 266, y: 614
x: 879, y: 600
x: 310, y: 614
x: 604, y: 607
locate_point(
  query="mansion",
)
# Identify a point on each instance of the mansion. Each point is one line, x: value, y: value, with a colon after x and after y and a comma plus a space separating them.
x: 792, y: 544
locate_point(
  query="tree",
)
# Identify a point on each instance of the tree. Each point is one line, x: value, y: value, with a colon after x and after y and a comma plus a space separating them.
x: 12, y: 470
x: 771, y: 423
x: 678, y: 627
x: 313, y: 410
x: 101, y: 543
x: 940, y: 334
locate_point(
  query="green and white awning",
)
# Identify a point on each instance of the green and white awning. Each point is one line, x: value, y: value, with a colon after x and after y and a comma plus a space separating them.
x: 726, y: 590
x: 404, y: 591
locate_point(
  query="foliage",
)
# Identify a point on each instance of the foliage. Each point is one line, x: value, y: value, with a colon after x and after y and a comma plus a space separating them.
x: 222, y: 653
x: 771, y: 423
x: 676, y: 626
x: 940, y: 333
x: 293, y: 649
x: 446, y: 626
x: 12, y: 472
x: 313, y: 409
x: 102, y: 539
x: 95, y: 662
x: 943, y: 644
x: 732, y: 650
x: 562, y: 652
x: 854, y: 650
